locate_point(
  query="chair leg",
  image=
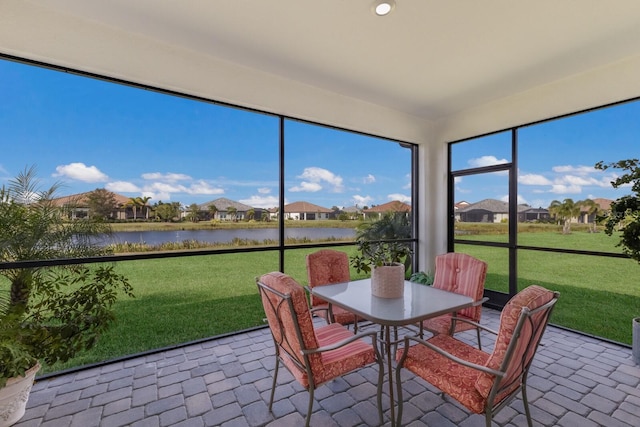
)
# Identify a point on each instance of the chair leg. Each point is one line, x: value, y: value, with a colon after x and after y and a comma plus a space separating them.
x: 525, y: 402
x: 399, y: 396
x: 311, y: 390
x: 380, y: 383
x: 488, y: 415
x: 479, y: 342
x: 273, y: 386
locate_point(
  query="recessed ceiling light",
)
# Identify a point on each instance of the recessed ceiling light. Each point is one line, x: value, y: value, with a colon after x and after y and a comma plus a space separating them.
x: 383, y: 7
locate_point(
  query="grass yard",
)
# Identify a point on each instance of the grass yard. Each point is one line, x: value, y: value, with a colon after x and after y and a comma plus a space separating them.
x: 599, y: 295
x: 184, y: 299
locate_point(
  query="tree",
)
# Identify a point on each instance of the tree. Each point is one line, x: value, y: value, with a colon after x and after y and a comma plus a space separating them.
x: 134, y: 202
x: 592, y: 209
x: 167, y: 211
x: 49, y: 314
x: 144, y: 202
x: 624, y: 213
x: 251, y: 213
x: 233, y: 212
x: 213, y: 210
x: 101, y: 203
x: 193, y: 212
x: 265, y: 216
x: 563, y: 212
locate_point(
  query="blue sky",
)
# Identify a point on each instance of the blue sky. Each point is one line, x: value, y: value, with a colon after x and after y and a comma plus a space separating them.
x: 556, y: 158
x: 91, y: 134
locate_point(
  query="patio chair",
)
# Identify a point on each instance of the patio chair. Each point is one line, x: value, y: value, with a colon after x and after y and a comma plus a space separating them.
x: 463, y: 274
x: 314, y: 356
x: 326, y: 267
x: 483, y: 382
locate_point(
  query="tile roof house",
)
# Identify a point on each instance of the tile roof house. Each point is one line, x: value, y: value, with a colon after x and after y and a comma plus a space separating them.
x: 305, y: 211
x: 492, y: 210
x: 79, y: 205
x: 353, y: 212
x: 393, y: 206
x: 222, y: 213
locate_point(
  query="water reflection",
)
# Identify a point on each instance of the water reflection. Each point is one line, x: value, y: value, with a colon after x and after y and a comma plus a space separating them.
x: 153, y: 238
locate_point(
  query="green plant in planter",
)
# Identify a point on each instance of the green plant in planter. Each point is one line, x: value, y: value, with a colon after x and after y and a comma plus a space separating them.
x: 624, y: 214
x: 375, y: 242
x: 49, y: 314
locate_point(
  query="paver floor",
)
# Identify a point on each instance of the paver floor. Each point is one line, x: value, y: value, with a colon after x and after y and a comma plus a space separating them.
x: 575, y: 381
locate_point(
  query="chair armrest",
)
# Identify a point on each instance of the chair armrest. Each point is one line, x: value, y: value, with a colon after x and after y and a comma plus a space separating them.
x: 328, y: 309
x: 476, y: 324
x: 313, y: 310
x: 344, y: 342
x: 446, y: 354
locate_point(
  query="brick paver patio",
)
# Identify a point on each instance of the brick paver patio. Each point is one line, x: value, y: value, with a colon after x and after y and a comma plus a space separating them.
x: 575, y: 381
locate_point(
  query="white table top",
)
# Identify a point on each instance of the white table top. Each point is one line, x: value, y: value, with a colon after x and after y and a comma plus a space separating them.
x: 418, y: 303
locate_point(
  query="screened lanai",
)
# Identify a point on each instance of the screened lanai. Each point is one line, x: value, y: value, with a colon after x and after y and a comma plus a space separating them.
x: 427, y: 75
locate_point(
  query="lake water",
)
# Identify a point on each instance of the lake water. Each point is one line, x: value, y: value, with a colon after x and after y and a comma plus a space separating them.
x: 224, y: 236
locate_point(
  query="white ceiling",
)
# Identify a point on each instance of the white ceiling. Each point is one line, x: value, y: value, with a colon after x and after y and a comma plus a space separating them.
x: 430, y: 58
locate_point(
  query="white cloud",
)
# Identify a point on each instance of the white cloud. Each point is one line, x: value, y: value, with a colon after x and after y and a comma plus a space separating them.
x: 565, y: 189
x: 81, y: 172
x: 486, y: 161
x: 261, y: 201
x: 202, y: 187
x: 122, y: 187
x: 317, y: 176
x: 170, y: 176
x: 311, y: 187
x: 398, y: 196
x: 369, y: 179
x: 264, y: 190
x: 164, y: 188
x: 362, y: 200
x: 533, y: 179
x: 580, y: 169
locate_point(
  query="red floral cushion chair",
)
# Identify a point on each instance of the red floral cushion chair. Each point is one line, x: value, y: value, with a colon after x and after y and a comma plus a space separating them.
x: 483, y: 382
x: 462, y: 274
x: 326, y: 267
x: 314, y: 356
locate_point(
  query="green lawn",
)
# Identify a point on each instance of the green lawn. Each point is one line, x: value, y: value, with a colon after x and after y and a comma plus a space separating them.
x: 183, y: 299
x: 599, y: 295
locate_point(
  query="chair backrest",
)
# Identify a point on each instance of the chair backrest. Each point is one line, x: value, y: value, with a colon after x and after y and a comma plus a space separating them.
x: 285, y: 305
x: 326, y: 267
x: 522, y: 324
x: 462, y: 274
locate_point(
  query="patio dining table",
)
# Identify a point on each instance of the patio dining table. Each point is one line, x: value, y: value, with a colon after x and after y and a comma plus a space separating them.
x: 418, y: 303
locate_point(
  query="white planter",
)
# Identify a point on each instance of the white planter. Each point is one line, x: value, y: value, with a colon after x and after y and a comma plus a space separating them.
x: 635, y: 344
x: 388, y: 281
x: 14, y: 396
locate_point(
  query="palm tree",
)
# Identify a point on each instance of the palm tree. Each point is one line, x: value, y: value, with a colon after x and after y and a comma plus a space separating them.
x: 564, y: 211
x: 134, y: 202
x: 251, y: 213
x: 193, y: 212
x: 212, y: 211
x: 144, y: 202
x: 592, y: 209
x: 232, y: 212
